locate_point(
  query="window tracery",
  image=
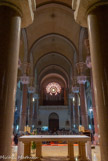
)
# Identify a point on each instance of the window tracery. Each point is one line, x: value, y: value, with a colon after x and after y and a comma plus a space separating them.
x: 53, y: 88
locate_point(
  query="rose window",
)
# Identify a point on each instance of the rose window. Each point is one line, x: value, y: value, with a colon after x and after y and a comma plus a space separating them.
x: 53, y: 88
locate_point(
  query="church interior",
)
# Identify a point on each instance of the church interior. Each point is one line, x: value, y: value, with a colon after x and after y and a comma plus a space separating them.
x: 54, y: 80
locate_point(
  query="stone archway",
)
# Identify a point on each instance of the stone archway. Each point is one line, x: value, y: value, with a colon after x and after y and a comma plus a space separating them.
x: 53, y: 122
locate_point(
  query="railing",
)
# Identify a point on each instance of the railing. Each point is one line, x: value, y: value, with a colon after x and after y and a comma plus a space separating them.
x: 84, y: 145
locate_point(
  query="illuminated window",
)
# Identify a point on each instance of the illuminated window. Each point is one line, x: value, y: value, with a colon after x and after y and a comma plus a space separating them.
x: 53, y: 88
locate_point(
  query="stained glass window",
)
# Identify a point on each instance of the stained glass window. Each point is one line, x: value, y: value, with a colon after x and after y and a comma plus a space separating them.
x: 53, y: 88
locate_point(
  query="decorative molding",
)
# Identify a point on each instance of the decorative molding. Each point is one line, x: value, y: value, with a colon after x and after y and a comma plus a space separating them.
x: 25, y: 79
x: 15, y: 5
x: 81, y: 79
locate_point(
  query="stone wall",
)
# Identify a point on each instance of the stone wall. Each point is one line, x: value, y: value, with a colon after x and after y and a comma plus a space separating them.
x: 61, y: 111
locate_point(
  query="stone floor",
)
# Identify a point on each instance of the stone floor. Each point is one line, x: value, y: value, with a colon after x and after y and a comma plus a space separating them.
x: 59, y: 153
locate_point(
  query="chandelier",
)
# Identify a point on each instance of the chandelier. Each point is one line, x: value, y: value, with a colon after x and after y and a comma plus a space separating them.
x: 53, y: 88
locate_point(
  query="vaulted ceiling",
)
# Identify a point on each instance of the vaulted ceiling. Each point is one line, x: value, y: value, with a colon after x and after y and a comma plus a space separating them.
x: 51, y: 42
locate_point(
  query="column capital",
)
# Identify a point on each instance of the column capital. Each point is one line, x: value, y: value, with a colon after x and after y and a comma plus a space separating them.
x: 75, y: 89
x: 25, y: 8
x: 12, y: 4
x: 31, y: 89
x: 83, y: 7
x: 25, y: 79
x: 81, y: 79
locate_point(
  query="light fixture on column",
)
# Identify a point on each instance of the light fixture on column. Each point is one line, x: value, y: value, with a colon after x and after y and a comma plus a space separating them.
x: 90, y: 109
x: 17, y: 127
x: 33, y: 99
x: 73, y: 99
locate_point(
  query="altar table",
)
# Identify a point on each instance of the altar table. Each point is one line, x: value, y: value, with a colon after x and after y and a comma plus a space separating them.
x: 81, y: 140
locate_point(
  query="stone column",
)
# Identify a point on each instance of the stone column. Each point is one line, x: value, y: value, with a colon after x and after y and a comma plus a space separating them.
x: 96, y: 125
x: 88, y: 63
x: 77, y: 116
x: 94, y: 110
x: 36, y: 104
x: 30, y: 119
x: 10, y: 24
x: 25, y: 80
x: 35, y: 114
x: 65, y: 97
x: 84, y: 112
x: 71, y: 151
x: 26, y: 151
x: 75, y: 90
x: 71, y: 113
x: 38, y: 150
x: 23, y: 112
x: 98, y: 35
x: 31, y: 91
x: 81, y: 80
x: 82, y: 151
